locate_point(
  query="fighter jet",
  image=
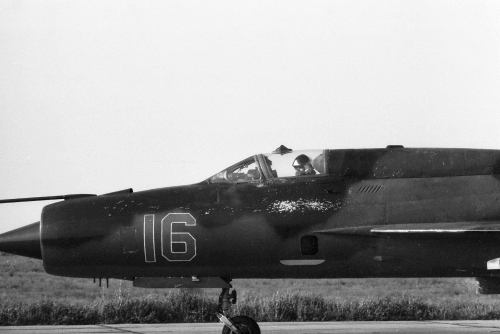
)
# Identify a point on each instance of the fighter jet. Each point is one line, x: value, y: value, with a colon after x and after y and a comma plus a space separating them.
x: 332, y: 213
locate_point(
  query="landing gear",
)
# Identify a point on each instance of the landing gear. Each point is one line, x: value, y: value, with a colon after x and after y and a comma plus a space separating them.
x: 239, y: 324
x: 243, y: 324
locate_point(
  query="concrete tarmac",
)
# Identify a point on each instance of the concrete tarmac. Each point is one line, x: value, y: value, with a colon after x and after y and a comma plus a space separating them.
x: 355, y: 327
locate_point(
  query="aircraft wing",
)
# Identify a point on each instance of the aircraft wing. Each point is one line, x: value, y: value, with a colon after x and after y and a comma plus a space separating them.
x: 442, y: 229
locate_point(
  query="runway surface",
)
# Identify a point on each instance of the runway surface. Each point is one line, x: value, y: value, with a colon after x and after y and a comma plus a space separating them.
x: 361, y: 327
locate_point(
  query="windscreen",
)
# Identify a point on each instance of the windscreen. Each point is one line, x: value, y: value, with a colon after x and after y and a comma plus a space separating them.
x: 244, y: 171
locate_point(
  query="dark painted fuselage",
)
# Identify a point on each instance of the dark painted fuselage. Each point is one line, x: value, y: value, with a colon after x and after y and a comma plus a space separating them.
x: 291, y: 227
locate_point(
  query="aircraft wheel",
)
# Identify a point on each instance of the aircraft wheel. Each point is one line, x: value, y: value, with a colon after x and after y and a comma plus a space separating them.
x: 245, y: 324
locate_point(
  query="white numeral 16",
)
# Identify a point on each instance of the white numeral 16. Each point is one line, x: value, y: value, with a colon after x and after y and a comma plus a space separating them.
x: 175, y: 246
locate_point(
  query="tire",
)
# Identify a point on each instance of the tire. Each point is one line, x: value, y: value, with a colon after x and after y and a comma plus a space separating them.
x: 245, y: 324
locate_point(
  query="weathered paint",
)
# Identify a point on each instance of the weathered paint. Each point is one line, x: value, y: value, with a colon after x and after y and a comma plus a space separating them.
x: 376, y: 213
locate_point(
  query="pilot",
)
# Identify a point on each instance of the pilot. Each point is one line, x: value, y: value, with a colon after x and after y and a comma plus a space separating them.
x: 303, y: 166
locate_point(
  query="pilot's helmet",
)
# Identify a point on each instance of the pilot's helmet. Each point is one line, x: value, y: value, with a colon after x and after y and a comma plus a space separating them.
x: 300, y: 161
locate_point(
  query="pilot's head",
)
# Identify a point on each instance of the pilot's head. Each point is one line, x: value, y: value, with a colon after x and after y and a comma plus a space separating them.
x: 300, y: 162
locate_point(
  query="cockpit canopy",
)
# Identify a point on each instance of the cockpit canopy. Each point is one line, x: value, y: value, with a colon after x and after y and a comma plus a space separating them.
x: 279, y: 164
x: 391, y: 162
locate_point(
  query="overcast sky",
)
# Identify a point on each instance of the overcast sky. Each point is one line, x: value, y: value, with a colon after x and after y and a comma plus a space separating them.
x: 98, y: 96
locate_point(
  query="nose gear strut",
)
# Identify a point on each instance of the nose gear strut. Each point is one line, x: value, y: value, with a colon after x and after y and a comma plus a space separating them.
x: 238, y: 324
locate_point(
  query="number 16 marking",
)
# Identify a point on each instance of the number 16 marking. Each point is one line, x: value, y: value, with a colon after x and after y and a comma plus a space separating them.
x: 175, y: 246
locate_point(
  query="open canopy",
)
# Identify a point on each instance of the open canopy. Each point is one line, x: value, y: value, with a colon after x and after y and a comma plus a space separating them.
x: 394, y: 161
x: 279, y: 164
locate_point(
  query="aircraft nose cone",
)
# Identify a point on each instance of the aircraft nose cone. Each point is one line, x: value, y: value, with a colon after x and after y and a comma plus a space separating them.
x: 24, y: 241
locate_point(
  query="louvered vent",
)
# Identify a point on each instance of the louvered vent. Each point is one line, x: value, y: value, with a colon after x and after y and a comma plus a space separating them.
x: 369, y: 189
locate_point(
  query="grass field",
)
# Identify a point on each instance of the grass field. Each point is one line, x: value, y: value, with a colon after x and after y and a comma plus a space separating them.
x: 30, y: 296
